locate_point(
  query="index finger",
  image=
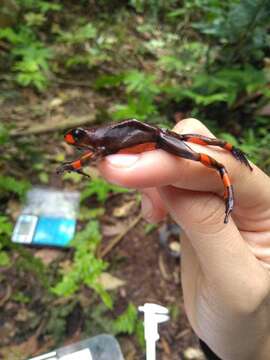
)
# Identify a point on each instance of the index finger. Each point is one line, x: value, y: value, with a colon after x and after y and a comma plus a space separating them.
x: 158, y: 168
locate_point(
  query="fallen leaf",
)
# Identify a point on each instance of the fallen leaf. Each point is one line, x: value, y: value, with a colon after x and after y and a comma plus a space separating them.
x: 264, y: 111
x: 7, y: 331
x: 165, y: 346
x: 47, y: 255
x: 109, y: 282
x: 26, y: 349
x: 24, y: 314
x: 13, y: 208
x: 112, y: 230
x: 124, y: 210
x: 54, y: 103
x: 65, y: 266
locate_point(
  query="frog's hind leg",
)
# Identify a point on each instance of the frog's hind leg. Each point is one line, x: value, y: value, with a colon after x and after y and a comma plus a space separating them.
x: 205, y: 141
x: 228, y: 189
x: 172, y: 144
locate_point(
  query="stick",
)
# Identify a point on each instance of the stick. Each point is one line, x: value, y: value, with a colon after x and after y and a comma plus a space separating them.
x: 52, y: 126
x: 119, y: 237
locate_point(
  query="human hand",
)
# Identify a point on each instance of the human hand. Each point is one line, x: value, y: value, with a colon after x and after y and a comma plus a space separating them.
x: 225, y: 277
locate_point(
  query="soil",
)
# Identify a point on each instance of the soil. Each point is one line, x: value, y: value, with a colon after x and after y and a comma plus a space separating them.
x: 150, y: 272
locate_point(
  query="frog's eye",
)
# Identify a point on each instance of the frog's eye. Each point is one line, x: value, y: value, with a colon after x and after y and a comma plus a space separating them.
x: 78, y: 134
x: 74, y: 136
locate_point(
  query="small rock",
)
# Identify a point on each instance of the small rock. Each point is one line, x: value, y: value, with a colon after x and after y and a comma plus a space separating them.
x: 193, y: 354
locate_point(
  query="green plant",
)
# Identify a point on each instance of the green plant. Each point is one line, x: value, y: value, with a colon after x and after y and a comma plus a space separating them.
x: 125, y: 323
x: 240, y: 27
x: 78, y: 35
x: 12, y: 185
x: 39, y: 5
x: 29, y: 55
x: 4, y: 134
x: 236, y: 31
x: 85, y: 46
x: 255, y: 143
x: 128, y: 323
x: 57, y: 319
x: 5, y: 233
x: 86, y: 267
x: 140, y: 89
x: 101, y: 189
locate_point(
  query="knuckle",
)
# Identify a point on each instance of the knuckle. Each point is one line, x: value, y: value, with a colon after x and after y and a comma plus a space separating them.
x: 192, y: 125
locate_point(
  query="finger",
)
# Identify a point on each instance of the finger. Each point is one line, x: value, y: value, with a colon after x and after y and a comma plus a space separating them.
x: 222, y: 253
x: 190, y: 273
x: 159, y: 168
x: 153, y: 209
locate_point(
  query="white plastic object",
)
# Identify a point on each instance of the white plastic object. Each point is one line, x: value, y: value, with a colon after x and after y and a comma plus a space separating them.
x: 154, y: 314
x: 100, y: 347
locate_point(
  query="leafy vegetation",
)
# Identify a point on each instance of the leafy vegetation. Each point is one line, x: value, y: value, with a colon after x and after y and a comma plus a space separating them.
x: 5, y: 233
x: 158, y: 61
x: 86, y: 267
x: 101, y: 189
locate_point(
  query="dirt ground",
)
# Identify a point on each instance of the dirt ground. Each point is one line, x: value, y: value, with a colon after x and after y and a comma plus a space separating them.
x: 149, y: 271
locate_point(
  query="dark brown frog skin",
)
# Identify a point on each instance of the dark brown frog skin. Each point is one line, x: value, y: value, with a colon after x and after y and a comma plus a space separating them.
x: 133, y: 136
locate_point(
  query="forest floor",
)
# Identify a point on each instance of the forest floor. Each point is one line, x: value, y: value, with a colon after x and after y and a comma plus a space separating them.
x: 147, y: 269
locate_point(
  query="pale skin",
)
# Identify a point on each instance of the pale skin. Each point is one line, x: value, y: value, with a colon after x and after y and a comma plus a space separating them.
x: 224, y: 267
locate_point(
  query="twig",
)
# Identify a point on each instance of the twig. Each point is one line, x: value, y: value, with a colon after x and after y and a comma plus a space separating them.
x: 73, y: 82
x: 6, y: 296
x: 119, y: 237
x: 52, y: 126
x: 183, y: 333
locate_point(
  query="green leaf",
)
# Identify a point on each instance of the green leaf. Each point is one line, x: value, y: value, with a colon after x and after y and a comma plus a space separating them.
x: 149, y: 228
x: 4, y: 259
x: 79, y: 34
x: 126, y: 322
x: 5, y: 226
x: 86, y: 267
x: 140, y: 82
x: 12, y: 185
x: 101, y: 189
x: 4, y: 134
x: 107, y: 81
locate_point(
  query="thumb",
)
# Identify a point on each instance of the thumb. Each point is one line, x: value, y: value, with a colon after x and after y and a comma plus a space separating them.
x: 224, y: 257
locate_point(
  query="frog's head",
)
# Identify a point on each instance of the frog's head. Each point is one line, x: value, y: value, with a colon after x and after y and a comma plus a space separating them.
x: 77, y: 137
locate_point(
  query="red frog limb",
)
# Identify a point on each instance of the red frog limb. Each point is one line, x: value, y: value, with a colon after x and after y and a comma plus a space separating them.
x: 133, y: 136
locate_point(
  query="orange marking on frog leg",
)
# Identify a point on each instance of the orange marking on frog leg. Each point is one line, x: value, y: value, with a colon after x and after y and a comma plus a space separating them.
x: 228, y: 189
x: 205, y: 159
x: 87, y: 155
x: 76, y: 164
x: 136, y: 149
x: 226, y: 180
x: 196, y: 140
x: 228, y: 146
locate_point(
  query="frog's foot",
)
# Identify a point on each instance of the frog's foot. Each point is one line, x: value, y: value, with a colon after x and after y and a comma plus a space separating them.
x: 70, y: 167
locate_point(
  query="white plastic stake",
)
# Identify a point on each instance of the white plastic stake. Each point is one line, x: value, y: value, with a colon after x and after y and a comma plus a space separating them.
x: 153, y: 315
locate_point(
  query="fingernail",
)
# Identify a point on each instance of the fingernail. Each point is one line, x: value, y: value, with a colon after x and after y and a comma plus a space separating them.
x: 122, y: 160
x: 147, y: 207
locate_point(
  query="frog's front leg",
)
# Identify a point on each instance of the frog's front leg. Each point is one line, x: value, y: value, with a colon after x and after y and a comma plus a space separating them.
x: 77, y: 165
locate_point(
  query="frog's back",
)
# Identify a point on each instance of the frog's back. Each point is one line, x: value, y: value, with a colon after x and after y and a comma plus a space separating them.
x: 126, y: 133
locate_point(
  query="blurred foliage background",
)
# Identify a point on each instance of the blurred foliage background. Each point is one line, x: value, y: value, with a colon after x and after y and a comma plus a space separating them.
x: 68, y: 63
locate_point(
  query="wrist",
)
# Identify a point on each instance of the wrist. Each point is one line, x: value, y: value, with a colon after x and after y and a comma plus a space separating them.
x: 241, y: 333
